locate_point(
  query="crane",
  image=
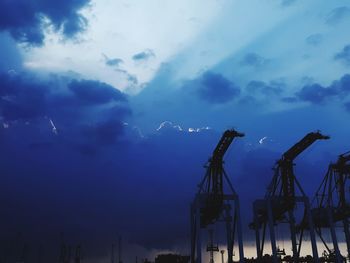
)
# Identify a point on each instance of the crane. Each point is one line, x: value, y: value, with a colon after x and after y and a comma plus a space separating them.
x: 280, y: 200
x: 331, y: 205
x: 212, y: 204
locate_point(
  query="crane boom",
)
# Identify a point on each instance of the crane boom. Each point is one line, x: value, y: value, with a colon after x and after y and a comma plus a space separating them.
x: 302, y: 145
x: 224, y: 143
x: 285, y: 164
x: 212, y: 184
x: 343, y: 159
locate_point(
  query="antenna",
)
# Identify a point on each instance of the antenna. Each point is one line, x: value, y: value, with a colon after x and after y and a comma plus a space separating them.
x: 112, y: 256
x: 120, y: 249
x: 211, y: 247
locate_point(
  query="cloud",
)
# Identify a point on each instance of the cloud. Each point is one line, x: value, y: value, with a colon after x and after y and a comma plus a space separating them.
x: 10, y: 56
x: 344, y: 55
x: 112, y: 62
x: 347, y: 106
x: 260, y: 87
x: 104, y: 133
x: 318, y: 94
x: 144, y: 55
x: 290, y: 99
x: 21, y: 98
x: 26, y: 21
x: 216, y: 89
x: 314, y: 39
x: 83, y: 110
x: 287, y: 2
x: 253, y: 60
x: 337, y: 15
x: 95, y: 92
x: 342, y: 85
x: 315, y: 93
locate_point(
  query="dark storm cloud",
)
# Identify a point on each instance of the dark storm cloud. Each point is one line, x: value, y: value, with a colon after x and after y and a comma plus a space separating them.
x: 337, y: 15
x: 144, y: 55
x: 253, y: 60
x: 215, y: 88
x: 25, y: 19
x: 104, y: 133
x: 95, y: 92
x: 318, y: 94
x: 74, y: 104
x: 21, y: 97
x: 260, y: 87
x: 344, y: 55
x: 314, y: 39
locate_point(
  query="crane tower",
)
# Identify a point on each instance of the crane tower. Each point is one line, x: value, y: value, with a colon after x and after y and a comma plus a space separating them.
x: 212, y: 203
x: 279, y: 204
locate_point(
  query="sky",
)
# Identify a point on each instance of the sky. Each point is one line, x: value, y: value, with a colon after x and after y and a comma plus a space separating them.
x: 110, y: 109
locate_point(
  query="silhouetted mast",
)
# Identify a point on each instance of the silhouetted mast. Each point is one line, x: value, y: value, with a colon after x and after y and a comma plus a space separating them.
x: 112, y: 254
x: 211, y: 248
x: 120, y: 249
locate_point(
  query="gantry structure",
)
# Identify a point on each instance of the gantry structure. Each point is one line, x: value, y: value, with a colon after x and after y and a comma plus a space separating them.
x: 279, y: 204
x: 332, y: 206
x: 213, y: 203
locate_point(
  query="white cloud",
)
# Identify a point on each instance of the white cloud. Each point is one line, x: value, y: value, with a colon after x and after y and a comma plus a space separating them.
x: 122, y: 29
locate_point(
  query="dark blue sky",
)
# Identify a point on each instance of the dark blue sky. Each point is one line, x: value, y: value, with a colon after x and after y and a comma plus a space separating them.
x: 108, y: 112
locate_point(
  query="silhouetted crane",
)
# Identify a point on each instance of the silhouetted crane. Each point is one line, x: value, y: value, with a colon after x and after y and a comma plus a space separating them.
x: 281, y: 198
x: 211, y: 203
x: 331, y: 205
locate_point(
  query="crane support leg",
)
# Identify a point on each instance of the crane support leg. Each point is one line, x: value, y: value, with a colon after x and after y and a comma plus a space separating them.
x: 334, y: 236
x: 272, y: 231
x: 347, y: 234
x: 229, y: 235
x: 293, y: 236
x: 257, y: 235
x: 239, y: 230
x: 312, y: 230
x: 193, y: 233
x: 198, y: 232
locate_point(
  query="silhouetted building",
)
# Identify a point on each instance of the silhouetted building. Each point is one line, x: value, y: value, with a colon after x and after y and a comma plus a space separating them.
x: 172, y: 258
